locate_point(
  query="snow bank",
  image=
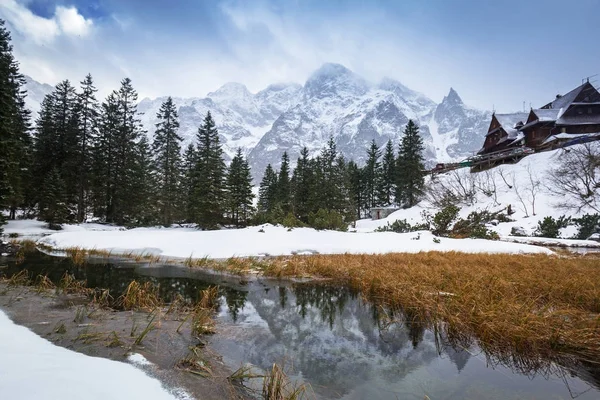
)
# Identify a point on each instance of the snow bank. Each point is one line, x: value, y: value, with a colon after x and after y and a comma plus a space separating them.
x: 33, y: 228
x: 33, y: 368
x: 504, y: 184
x: 273, y: 241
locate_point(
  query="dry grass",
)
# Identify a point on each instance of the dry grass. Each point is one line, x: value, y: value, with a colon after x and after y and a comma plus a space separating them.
x: 77, y: 255
x: 517, y: 304
x: 202, y: 315
x: 139, y: 296
x: 68, y: 284
x: 277, y: 386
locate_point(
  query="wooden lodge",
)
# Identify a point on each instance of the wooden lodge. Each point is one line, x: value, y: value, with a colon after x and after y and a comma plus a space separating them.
x: 569, y: 119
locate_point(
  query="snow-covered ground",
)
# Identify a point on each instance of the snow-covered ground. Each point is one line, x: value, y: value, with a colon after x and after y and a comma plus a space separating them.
x: 271, y: 240
x: 33, y: 368
x: 33, y: 229
x: 523, y: 186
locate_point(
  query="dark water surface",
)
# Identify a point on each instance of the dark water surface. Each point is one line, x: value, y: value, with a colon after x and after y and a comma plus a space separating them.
x: 330, y: 338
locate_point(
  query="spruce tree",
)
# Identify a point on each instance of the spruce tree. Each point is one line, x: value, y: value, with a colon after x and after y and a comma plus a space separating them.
x: 15, y: 140
x: 356, y: 189
x: 167, y: 157
x: 88, y: 112
x: 188, y: 168
x: 283, y: 185
x: 144, y: 210
x: 209, y: 191
x: 302, y: 187
x: 372, y: 175
x: 410, y: 176
x: 267, y: 192
x: 388, y: 178
x: 239, y: 190
x: 52, y: 205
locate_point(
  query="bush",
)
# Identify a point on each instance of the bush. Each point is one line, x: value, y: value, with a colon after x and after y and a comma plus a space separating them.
x: 442, y: 220
x: 474, y: 226
x: 587, y: 225
x: 550, y: 227
x: 327, y: 219
x: 398, y: 226
x: 290, y: 221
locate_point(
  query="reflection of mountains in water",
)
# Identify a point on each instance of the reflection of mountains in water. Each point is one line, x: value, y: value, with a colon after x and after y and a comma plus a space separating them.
x: 330, y: 336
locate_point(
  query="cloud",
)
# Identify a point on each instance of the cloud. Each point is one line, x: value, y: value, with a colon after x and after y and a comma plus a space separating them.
x: 71, y: 22
x: 65, y: 21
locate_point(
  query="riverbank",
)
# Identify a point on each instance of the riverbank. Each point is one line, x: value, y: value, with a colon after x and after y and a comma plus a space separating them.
x: 154, y: 353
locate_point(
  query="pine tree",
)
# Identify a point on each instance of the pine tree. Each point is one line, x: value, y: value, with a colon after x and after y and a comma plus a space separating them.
x: 267, y: 192
x: 283, y: 197
x: 209, y: 190
x: 372, y: 175
x: 8, y: 109
x: 356, y: 189
x: 302, y: 187
x: 15, y: 140
x: 410, y: 176
x: 188, y: 168
x: 239, y: 190
x: 116, y: 157
x: 66, y: 141
x: 144, y: 210
x: 388, y: 170
x: 52, y: 205
x: 88, y: 111
x: 167, y: 157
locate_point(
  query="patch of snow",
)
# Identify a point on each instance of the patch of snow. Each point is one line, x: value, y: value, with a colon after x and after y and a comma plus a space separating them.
x: 32, y: 368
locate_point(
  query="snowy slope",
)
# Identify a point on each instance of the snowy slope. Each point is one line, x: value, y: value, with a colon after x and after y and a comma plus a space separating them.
x: 524, y: 186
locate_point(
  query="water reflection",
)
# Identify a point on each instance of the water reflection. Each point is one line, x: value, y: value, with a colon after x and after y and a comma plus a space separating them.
x: 334, y: 340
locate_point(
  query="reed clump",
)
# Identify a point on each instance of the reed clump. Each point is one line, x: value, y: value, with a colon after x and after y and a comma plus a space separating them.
x: 70, y: 285
x: 202, y: 315
x: 140, y: 296
x: 522, y: 304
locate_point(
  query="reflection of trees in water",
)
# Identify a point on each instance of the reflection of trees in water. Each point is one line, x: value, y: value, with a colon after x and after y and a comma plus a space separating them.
x: 330, y: 300
x: 235, y: 301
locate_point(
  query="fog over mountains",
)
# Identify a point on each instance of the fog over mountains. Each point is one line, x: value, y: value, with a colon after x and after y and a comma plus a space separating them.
x: 334, y: 101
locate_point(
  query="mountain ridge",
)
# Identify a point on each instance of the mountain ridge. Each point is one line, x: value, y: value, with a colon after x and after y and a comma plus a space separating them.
x: 333, y: 102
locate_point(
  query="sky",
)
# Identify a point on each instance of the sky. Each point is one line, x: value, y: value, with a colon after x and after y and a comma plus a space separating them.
x: 501, y: 55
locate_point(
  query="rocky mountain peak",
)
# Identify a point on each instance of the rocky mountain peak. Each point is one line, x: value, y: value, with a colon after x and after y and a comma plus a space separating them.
x: 334, y: 80
x: 230, y: 90
x: 452, y: 98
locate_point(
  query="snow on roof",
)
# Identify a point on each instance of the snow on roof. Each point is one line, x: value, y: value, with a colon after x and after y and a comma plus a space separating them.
x: 520, y: 136
x: 509, y: 121
x: 566, y: 100
x: 567, y: 136
x: 582, y: 119
x: 547, y: 114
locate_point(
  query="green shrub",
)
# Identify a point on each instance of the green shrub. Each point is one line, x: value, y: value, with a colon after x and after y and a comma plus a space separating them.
x: 587, y: 225
x: 290, y: 221
x: 550, y: 227
x: 327, y: 219
x: 474, y: 226
x: 398, y: 226
x: 442, y: 220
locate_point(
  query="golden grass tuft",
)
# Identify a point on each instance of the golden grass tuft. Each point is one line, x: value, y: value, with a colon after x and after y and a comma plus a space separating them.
x: 77, y: 255
x: 140, y: 296
x: 69, y: 285
x: 519, y: 304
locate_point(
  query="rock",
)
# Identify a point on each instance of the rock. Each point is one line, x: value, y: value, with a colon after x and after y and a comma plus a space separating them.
x: 518, y: 231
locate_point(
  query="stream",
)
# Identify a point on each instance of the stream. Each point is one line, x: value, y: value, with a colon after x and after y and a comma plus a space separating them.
x: 329, y: 337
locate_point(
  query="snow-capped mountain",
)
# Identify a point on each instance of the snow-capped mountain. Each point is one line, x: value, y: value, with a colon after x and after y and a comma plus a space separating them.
x: 35, y: 95
x: 333, y: 102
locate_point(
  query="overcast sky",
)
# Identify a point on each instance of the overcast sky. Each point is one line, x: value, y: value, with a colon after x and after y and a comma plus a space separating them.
x: 494, y: 53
